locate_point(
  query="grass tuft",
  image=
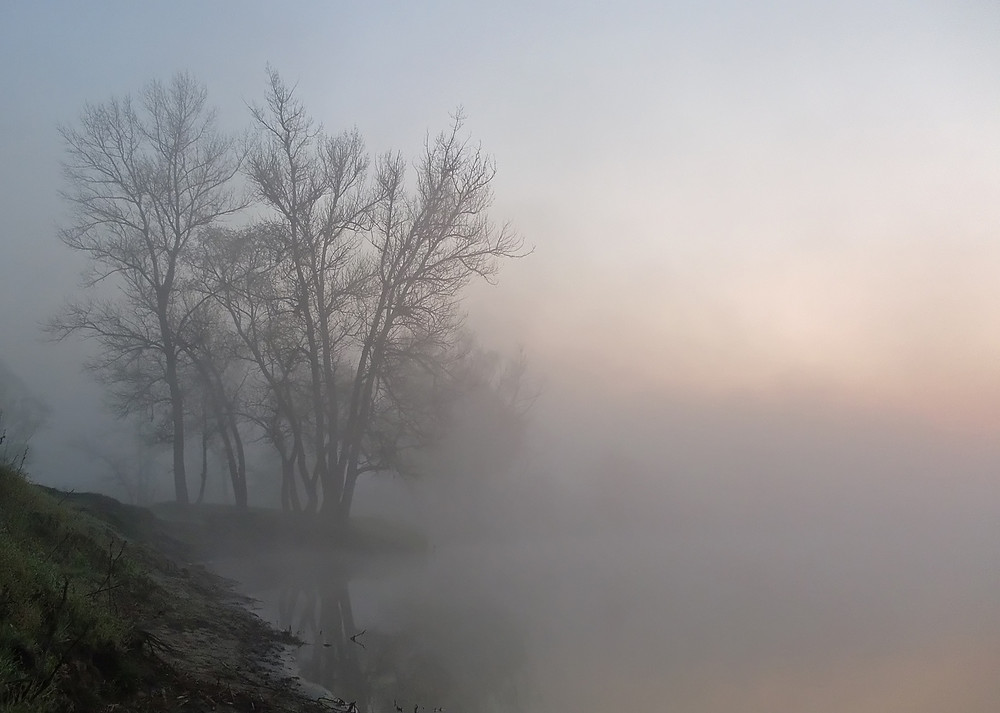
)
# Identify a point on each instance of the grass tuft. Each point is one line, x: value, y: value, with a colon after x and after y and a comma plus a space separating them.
x: 63, y: 638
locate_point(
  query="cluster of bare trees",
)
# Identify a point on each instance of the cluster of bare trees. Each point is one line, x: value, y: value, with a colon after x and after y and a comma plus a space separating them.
x: 287, y: 286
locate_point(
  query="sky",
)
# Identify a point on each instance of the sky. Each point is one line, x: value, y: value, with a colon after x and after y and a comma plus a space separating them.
x: 786, y: 203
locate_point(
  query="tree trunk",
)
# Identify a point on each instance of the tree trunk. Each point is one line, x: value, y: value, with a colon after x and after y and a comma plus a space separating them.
x: 204, y: 454
x: 333, y: 489
x: 309, y: 483
x: 241, y: 459
x: 235, y: 476
x: 177, y: 414
x: 289, y: 491
x: 343, y: 512
x: 233, y: 442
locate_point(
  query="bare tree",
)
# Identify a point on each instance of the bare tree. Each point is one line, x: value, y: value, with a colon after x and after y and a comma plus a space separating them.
x: 143, y: 178
x: 372, y: 273
x: 244, y: 272
x: 428, y: 246
x: 315, y: 185
x: 344, y: 297
x: 220, y: 376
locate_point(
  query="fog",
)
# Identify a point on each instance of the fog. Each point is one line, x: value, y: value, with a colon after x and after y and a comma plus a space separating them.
x: 706, y: 563
x: 759, y: 470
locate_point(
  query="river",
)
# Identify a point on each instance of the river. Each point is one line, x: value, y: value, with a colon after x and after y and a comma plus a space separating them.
x: 755, y: 619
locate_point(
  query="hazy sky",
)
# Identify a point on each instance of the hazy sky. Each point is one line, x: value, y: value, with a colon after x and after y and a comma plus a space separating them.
x: 768, y: 199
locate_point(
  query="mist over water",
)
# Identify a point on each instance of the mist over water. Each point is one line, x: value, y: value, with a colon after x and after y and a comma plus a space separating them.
x: 752, y: 571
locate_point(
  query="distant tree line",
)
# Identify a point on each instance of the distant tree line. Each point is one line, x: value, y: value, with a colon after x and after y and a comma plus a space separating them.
x: 21, y: 415
x: 285, y: 286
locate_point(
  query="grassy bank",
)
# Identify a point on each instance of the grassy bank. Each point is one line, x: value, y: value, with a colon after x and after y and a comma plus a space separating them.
x: 98, y: 614
x: 64, y: 597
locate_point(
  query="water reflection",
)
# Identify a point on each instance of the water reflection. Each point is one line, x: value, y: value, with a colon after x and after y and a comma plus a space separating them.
x: 323, y: 616
x: 377, y: 635
x: 754, y: 620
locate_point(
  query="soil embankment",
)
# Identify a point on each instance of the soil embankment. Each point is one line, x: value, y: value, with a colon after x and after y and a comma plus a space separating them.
x: 100, y: 610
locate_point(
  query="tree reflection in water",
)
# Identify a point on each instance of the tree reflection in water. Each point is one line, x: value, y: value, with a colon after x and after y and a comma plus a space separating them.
x: 433, y: 653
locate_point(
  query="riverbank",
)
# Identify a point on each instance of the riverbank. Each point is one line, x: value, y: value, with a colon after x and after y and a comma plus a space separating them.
x: 100, y: 610
x: 224, y: 531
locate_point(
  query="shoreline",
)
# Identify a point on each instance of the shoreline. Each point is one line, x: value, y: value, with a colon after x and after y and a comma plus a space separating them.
x: 164, y: 634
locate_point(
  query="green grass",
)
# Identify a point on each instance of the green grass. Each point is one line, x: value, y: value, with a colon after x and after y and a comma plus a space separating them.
x: 100, y: 612
x: 66, y: 582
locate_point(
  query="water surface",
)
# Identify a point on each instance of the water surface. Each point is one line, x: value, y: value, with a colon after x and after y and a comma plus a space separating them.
x: 755, y: 617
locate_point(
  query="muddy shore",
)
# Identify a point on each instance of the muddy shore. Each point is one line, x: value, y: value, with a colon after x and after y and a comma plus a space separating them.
x: 197, y: 644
